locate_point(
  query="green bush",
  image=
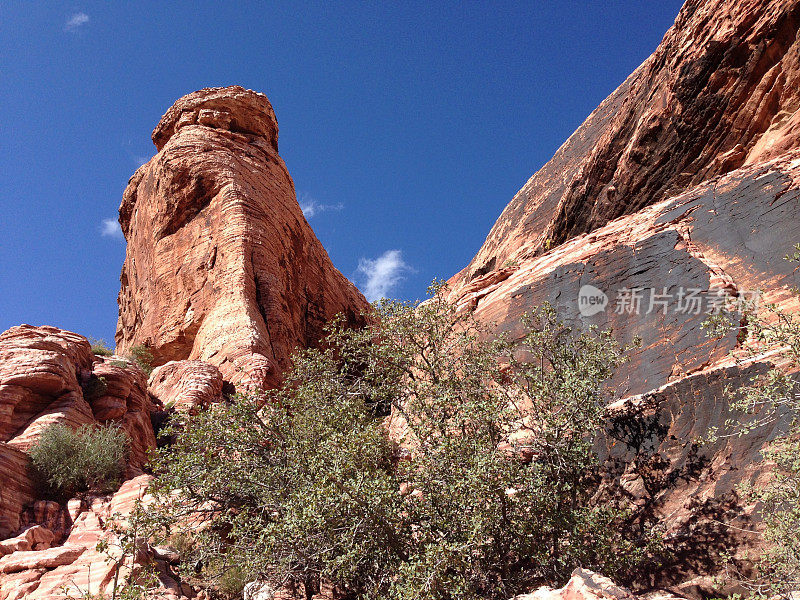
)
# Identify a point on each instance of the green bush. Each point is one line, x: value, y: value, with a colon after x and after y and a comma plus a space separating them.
x: 100, y: 348
x: 303, y: 485
x: 143, y: 357
x: 771, y: 400
x: 68, y: 461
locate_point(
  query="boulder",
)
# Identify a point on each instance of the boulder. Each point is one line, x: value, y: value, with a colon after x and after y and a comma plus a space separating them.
x: 583, y: 585
x: 186, y: 385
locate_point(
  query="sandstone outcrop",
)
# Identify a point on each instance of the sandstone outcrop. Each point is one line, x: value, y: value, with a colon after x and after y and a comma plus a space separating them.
x: 186, y: 385
x: 659, y: 460
x: 221, y: 265
x: 720, y: 92
x: 679, y: 193
x: 48, y: 375
x: 583, y: 585
x: 722, y: 240
x: 75, y: 567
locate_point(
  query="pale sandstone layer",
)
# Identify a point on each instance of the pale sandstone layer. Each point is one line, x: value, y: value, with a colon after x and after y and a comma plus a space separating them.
x: 221, y: 265
x: 185, y: 385
x: 39, y: 566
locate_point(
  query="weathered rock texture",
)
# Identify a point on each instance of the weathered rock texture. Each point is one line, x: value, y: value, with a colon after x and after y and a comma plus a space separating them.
x: 37, y: 569
x: 583, y: 585
x: 221, y: 265
x: 724, y: 238
x: 721, y: 91
x: 186, y: 385
x: 684, y: 183
x: 48, y: 376
x: 655, y: 460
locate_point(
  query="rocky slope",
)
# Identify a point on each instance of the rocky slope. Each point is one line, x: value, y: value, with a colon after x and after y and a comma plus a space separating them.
x: 683, y: 185
x: 678, y: 193
x: 48, y: 376
x: 221, y: 265
x: 720, y: 92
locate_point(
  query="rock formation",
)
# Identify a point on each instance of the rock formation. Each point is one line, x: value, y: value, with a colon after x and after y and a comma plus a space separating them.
x: 186, y: 385
x: 583, y: 585
x: 720, y: 92
x: 721, y: 240
x: 48, y: 376
x: 36, y: 568
x: 680, y: 192
x: 221, y: 265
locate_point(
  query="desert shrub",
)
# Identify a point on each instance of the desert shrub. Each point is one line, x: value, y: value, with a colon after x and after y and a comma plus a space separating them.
x: 100, y: 348
x: 143, y: 357
x: 68, y: 461
x: 301, y: 484
x: 773, y: 400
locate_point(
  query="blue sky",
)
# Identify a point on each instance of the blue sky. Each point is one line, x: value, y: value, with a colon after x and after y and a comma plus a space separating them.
x: 407, y: 126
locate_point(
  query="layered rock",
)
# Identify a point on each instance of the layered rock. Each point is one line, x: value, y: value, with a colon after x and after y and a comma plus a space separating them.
x: 721, y: 91
x: 49, y: 549
x: 34, y: 569
x: 186, y: 385
x: 47, y: 376
x: 679, y: 193
x: 660, y: 460
x: 583, y: 585
x: 722, y: 240
x: 221, y: 265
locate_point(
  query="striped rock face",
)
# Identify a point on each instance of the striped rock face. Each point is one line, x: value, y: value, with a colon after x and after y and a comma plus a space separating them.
x: 720, y: 92
x: 682, y: 184
x: 221, y: 265
x: 47, y: 376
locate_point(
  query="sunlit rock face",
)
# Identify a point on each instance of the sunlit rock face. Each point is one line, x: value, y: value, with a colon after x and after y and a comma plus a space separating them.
x: 720, y: 92
x: 48, y: 376
x: 681, y: 191
x: 683, y: 179
x: 221, y: 265
x: 722, y: 240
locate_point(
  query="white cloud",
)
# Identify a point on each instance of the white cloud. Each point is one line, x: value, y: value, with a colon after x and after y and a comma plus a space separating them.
x: 382, y: 274
x: 311, y: 207
x: 110, y: 228
x: 76, y: 20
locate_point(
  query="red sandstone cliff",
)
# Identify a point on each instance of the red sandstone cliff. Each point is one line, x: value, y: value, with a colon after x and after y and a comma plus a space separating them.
x: 687, y: 176
x: 721, y: 91
x: 221, y: 265
x: 686, y: 179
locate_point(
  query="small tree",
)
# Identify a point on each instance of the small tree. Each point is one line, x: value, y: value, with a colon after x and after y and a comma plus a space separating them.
x: 69, y: 461
x: 772, y: 399
x: 143, y: 357
x: 100, y: 348
x: 489, y: 494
